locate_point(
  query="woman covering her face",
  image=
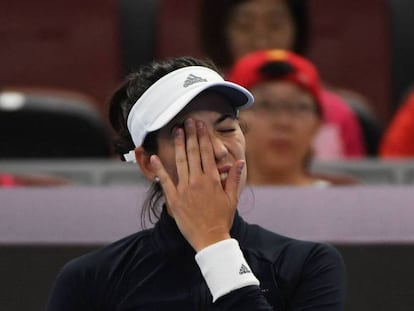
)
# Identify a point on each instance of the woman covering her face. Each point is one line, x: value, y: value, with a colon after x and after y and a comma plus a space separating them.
x: 178, y: 120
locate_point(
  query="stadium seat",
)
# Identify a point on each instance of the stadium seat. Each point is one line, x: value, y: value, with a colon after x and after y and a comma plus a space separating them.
x: 47, y: 124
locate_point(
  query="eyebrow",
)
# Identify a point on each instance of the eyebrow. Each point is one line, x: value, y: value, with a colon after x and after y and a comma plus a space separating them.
x: 180, y: 124
x: 224, y: 117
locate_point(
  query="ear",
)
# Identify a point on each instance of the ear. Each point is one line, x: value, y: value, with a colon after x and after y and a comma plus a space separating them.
x: 143, y: 161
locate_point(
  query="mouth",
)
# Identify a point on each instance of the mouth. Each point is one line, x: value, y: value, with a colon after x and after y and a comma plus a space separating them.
x: 224, y: 174
x: 281, y: 143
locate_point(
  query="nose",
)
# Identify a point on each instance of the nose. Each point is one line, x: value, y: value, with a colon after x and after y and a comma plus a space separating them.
x: 219, y: 148
x: 260, y: 36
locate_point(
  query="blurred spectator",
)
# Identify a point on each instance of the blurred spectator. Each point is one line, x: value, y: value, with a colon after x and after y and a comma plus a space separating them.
x: 281, y: 126
x: 7, y: 180
x: 24, y: 180
x: 243, y: 26
x: 398, y: 138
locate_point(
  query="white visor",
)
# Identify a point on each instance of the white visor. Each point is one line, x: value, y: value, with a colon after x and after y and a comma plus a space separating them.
x: 161, y: 102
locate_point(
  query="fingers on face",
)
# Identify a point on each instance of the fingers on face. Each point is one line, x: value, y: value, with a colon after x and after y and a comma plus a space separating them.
x: 233, y: 183
x: 193, y: 148
x: 206, y: 148
x: 194, y: 153
x: 181, y: 155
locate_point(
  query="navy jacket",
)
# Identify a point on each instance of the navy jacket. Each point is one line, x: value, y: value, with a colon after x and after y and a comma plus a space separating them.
x: 155, y: 269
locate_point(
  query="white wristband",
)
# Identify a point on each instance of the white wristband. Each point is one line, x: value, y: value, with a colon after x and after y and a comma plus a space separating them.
x: 224, y: 268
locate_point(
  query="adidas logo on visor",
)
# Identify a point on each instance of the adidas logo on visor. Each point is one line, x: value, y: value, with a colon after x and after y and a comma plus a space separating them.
x: 191, y: 79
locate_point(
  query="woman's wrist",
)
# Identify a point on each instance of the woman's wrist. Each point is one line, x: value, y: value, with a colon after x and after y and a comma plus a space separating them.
x: 210, y: 240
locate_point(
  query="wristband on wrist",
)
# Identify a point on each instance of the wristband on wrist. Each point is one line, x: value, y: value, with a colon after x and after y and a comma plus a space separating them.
x: 224, y: 268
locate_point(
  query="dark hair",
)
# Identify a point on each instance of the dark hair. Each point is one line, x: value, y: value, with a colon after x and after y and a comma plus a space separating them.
x: 121, y: 104
x: 214, y: 15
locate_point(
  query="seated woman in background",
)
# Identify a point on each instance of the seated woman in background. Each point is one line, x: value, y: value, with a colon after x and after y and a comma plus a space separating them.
x: 244, y: 26
x: 398, y: 139
x: 282, y: 126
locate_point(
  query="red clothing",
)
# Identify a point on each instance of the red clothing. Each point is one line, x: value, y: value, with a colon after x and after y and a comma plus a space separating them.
x: 7, y: 180
x: 340, y: 117
x: 398, y: 138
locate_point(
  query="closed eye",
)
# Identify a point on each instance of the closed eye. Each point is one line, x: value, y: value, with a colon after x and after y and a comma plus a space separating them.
x: 227, y: 123
x: 226, y: 130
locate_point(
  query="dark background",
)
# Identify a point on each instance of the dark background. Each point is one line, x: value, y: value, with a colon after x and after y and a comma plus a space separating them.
x: 88, y: 46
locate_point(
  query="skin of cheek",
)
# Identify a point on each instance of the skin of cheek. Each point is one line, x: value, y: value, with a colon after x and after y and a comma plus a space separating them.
x: 166, y: 154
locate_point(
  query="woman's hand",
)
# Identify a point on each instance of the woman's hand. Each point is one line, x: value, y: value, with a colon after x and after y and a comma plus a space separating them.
x: 201, y: 207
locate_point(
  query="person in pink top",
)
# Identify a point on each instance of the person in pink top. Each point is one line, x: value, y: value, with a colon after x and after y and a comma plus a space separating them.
x: 288, y: 114
x: 340, y: 122
x: 7, y: 180
x: 398, y: 141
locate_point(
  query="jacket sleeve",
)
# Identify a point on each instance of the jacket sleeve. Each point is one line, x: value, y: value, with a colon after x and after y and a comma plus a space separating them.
x: 248, y: 298
x: 316, y: 283
x: 228, y: 276
x: 69, y: 291
x: 322, y: 281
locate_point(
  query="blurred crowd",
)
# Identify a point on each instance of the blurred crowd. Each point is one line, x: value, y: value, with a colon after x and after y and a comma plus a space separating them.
x: 264, y: 45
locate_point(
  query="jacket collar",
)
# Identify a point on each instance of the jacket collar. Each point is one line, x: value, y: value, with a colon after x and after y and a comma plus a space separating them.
x: 169, y: 239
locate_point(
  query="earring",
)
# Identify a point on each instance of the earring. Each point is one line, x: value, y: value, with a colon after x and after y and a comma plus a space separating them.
x: 156, y: 179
